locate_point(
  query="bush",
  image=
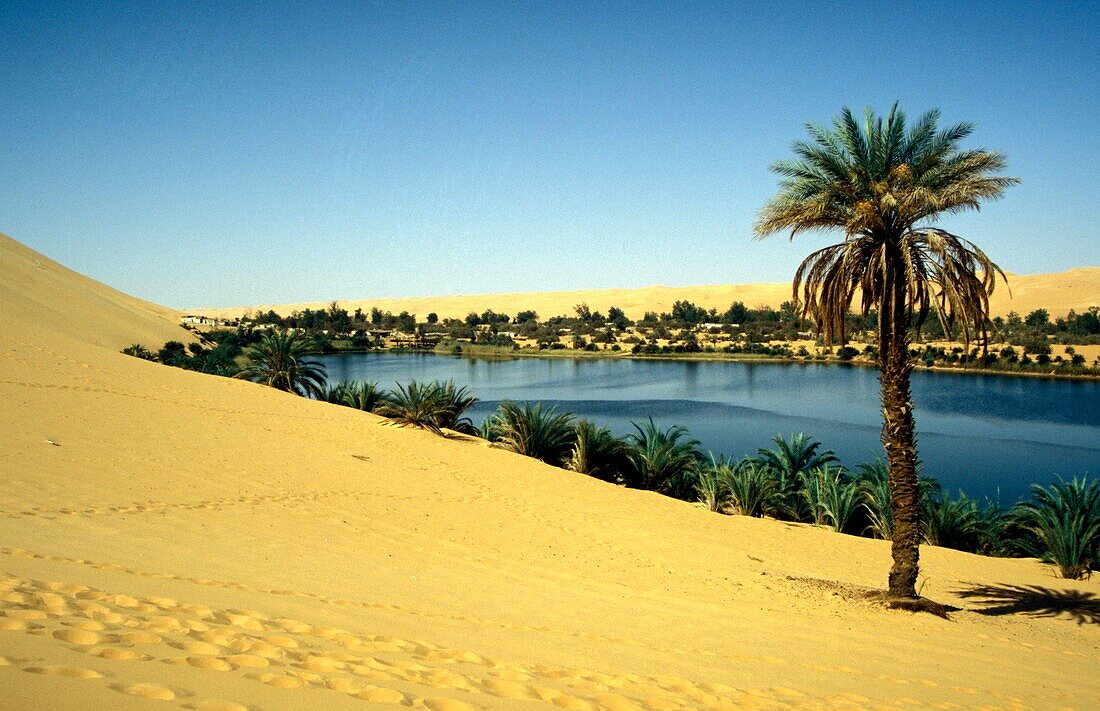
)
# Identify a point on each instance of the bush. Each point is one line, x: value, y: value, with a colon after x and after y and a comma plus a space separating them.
x: 534, y: 431
x: 846, y: 353
x: 1064, y: 525
x: 432, y: 406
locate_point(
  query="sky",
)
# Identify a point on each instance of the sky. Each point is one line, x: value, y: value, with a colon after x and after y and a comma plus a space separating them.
x: 217, y: 154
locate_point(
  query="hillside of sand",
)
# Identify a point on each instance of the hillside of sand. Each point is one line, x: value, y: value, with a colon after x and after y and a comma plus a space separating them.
x: 177, y: 540
x: 1058, y: 293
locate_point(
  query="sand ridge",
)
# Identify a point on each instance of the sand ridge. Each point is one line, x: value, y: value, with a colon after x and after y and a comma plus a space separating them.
x: 1058, y: 293
x: 175, y: 540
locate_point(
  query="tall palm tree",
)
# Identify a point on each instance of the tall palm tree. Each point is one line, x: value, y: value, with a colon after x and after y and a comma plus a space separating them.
x: 279, y: 360
x: 880, y: 184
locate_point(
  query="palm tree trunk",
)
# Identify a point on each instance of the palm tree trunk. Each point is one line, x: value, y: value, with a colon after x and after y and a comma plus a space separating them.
x: 899, y: 439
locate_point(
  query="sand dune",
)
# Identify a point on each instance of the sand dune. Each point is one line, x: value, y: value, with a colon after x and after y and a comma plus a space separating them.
x: 1059, y: 292
x: 175, y: 540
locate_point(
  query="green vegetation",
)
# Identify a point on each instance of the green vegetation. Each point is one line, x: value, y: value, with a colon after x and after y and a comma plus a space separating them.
x: 880, y: 183
x: 363, y: 396
x: 433, y: 406
x: 279, y: 360
x: 534, y: 431
x: 1064, y: 523
x: 596, y: 452
x: 662, y: 460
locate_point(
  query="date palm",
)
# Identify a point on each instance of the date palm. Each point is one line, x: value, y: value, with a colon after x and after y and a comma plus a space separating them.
x: 279, y: 360
x: 882, y: 185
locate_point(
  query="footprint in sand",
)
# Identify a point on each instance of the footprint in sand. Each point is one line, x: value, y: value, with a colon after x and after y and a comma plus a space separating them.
x: 445, y: 704
x: 215, y: 705
x: 153, y: 692
x: 66, y: 671
x: 78, y: 637
x: 380, y: 695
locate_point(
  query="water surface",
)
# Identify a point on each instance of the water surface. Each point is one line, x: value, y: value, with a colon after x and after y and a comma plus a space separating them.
x: 991, y: 436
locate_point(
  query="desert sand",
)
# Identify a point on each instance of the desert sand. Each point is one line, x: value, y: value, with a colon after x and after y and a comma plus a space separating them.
x: 177, y: 540
x: 1058, y: 293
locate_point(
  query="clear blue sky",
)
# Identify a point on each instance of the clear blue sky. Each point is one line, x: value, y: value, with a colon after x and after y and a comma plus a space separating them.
x: 234, y: 153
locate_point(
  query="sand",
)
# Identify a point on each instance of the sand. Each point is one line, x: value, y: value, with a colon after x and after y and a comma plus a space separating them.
x: 176, y: 540
x: 1076, y: 289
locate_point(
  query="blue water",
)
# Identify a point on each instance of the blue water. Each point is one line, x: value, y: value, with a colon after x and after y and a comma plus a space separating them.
x: 990, y: 436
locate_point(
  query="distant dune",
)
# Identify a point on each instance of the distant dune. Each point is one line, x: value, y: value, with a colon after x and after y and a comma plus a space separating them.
x: 178, y: 540
x: 1059, y: 292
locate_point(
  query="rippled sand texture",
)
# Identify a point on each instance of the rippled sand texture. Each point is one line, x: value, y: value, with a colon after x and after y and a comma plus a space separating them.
x: 173, y: 540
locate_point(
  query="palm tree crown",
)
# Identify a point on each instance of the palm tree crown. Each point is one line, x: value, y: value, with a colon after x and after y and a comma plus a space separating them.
x: 279, y: 360
x: 879, y: 182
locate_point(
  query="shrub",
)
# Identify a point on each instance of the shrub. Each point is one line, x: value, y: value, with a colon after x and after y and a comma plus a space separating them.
x: 663, y: 460
x: 432, y: 406
x: 754, y: 489
x: 535, y: 431
x: 846, y: 353
x: 1064, y: 523
x: 138, y: 351
x: 712, y: 483
x: 596, y: 452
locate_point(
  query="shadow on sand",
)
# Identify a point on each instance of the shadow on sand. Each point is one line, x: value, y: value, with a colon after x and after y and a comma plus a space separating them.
x: 1034, y: 601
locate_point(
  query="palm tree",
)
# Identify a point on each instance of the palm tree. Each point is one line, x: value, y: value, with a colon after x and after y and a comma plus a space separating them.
x: 880, y: 184
x: 1064, y: 522
x: 360, y: 395
x: 596, y: 452
x: 662, y: 460
x: 534, y: 431
x: 788, y: 461
x: 279, y: 361
x: 754, y: 489
x: 433, y: 406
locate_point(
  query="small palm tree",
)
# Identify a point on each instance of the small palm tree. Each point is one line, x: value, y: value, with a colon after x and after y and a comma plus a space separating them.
x: 360, y: 395
x: 433, y: 406
x: 831, y: 497
x: 873, y: 479
x: 455, y: 402
x: 279, y: 361
x: 881, y: 184
x: 597, y: 452
x: 535, y: 431
x: 663, y: 460
x: 138, y: 351
x: 789, y: 460
x: 414, y: 405
x: 754, y: 490
x: 1064, y: 521
x: 951, y: 523
x: 712, y: 483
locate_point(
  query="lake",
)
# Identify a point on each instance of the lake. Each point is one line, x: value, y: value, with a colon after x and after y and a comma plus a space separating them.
x: 990, y: 436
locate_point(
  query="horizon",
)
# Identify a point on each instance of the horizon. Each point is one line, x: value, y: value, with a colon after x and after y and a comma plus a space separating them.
x: 243, y: 155
x: 352, y: 299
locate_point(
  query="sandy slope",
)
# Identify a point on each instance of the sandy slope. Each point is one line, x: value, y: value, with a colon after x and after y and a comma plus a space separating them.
x: 195, y: 542
x: 1058, y: 293
x: 38, y: 294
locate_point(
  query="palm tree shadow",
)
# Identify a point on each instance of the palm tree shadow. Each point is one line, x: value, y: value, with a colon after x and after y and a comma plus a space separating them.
x: 1034, y: 601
